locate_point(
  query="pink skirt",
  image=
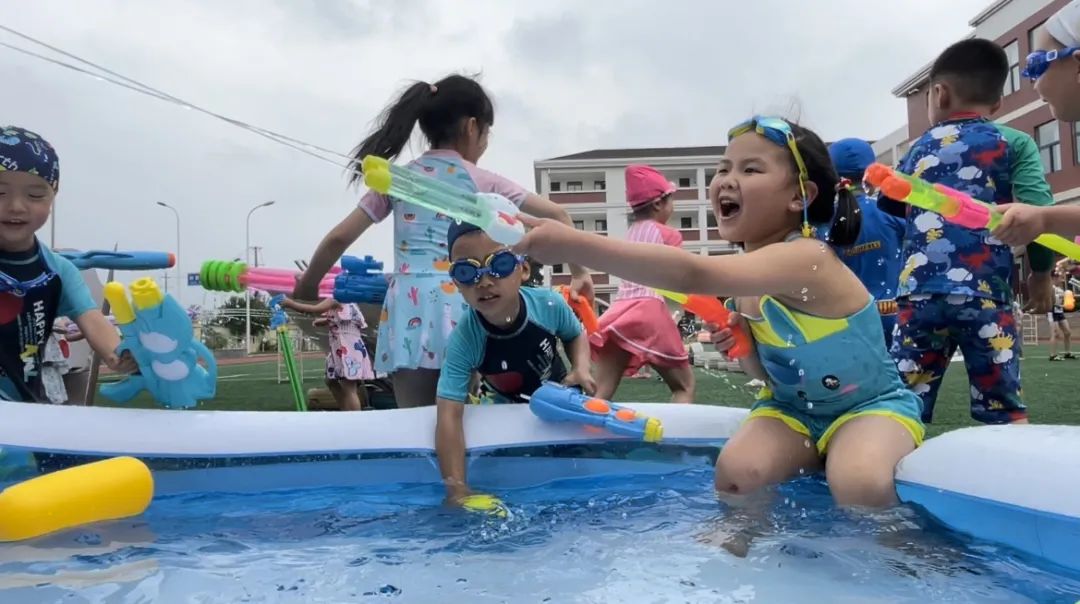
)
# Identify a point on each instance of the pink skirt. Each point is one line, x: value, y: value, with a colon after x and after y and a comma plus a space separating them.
x: 643, y: 328
x: 348, y: 359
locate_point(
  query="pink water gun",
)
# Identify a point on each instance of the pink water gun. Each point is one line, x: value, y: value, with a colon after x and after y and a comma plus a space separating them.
x: 222, y: 275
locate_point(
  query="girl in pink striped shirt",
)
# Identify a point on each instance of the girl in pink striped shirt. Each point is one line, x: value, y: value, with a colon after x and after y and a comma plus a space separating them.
x: 638, y: 329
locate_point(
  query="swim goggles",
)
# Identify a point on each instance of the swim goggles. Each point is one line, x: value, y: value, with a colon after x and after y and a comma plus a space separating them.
x: 778, y: 131
x: 9, y: 285
x: 499, y: 265
x: 1039, y: 61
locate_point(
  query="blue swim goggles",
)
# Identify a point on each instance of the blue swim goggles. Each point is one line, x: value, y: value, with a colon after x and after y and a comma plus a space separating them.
x: 9, y: 285
x: 1039, y: 61
x: 779, y: 131
x: 499, y: 265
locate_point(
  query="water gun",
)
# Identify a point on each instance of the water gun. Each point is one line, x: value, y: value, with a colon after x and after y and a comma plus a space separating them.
x: 712, y: 311
x: 493, y: 213
x: 360, y: 281
x: 954, y: 206
x: 356, y: 280
x: 158, y: 334
x: 120, y: 261
x: 556, y: 403
x: 279, y: 323
x: 582, y: 309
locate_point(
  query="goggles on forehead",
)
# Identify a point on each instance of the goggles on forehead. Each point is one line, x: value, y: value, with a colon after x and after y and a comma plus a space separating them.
x: 499, y: 265
x: 779, y: 132
x: 1039, y: 61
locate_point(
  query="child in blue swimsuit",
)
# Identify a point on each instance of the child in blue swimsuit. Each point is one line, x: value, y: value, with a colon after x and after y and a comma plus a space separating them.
x: 834, y: 399
x: 510, y: 336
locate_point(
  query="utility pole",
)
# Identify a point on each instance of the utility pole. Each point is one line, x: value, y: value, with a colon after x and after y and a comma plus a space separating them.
x: 165, y: 278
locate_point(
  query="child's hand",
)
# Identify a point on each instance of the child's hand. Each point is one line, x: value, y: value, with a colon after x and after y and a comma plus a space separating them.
x: 582, y: 379
x: 124, y: 363
x: 545, y: 241
x: 723, y: 337
x: 1020, y: 224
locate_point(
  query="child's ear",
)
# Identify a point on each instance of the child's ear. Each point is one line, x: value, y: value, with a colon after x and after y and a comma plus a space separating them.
x: 526, y: 271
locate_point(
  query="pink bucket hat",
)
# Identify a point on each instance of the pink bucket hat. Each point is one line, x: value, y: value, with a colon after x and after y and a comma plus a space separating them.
x: 644, y: 184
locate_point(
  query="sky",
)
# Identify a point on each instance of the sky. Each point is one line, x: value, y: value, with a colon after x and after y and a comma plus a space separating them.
x: 565, y: 75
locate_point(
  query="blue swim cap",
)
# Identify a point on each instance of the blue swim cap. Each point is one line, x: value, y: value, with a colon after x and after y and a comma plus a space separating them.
x: 851, y: 157
x: 457, y: 229
x: 25, y: 151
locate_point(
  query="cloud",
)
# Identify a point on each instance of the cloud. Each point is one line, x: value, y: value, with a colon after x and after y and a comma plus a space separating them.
x: 989, y: 330
x: 969, y: 173
x: 958, y: 274
x: 566, y: 76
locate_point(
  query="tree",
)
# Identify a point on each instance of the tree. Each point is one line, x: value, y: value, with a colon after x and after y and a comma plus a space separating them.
x: 231, y: 316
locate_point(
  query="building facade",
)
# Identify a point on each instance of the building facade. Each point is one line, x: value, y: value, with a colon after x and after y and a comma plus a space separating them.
x: 591, y: 186
x: 1010, y: 23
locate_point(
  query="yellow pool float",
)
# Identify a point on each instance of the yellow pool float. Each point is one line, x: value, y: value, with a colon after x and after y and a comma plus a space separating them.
x: 105, y: 490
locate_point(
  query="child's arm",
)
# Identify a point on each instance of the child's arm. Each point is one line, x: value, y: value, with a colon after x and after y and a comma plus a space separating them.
x: 452, y: 392
x: 723, y: 339
x: 450, y: 448
x: 788, y: 270
x: 311, y: 309
x: 104, y: 339
x: 330, y: 249
x: 580, y: 358
x: 580, y: 280
x: 1022, y: 223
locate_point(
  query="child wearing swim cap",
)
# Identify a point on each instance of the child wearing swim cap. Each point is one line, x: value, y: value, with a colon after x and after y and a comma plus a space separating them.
x: 638, y: 329
x: 37, y: 285
x: 509, y: 336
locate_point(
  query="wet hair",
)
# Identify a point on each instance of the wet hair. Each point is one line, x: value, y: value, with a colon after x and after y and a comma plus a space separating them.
x: 646, y: 211
x: 845, y: 216
x: 439, y: 108
x: 975, y: 69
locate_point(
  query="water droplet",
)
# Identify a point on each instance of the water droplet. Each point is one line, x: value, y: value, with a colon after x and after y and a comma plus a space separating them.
x: 813, y: 268
x: 804, y: 290
x: 791, y: 362
x: 804, y: 298
x: 842, y: 219
x: 809, y: 405
x: 504, y: 366
x: 802, y: 372
x: 550, y: 303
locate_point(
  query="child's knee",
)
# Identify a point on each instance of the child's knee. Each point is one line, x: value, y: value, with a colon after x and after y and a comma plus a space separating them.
x: 740, y: 476
x: 860, y: 483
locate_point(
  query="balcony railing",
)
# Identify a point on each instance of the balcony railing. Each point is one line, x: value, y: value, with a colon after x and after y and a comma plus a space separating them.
x: 578, y: 196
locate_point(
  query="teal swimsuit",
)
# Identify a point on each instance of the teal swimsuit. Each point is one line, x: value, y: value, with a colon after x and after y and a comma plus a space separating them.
x: 825, y: 372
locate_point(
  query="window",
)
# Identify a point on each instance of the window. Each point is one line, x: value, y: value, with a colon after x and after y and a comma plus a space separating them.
x: 1031, y: 37
x: 557, y: 269
x: 686, y: 182
x: 686, y: 222
x: 711, y: 221
x: 556, y: 187
x: 1049, y: 139
x: 579, y: 225
x: 601, y: 225
x: 599, y: 185
x: 1076, y: 142
x: 574, y: 185
x: 709, y: 174
x: 1012, y: 83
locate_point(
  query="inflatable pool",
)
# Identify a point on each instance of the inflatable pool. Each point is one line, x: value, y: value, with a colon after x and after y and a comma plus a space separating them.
x: 1015, y: 485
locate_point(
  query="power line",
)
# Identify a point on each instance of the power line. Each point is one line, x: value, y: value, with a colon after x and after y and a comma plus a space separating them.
x: 107, y: 75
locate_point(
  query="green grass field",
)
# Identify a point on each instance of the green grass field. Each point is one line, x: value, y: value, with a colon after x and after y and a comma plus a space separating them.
x: 1050, y: 390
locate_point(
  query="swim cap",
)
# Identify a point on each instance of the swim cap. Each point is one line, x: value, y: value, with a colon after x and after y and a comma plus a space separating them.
x: 457, y: 229
x: 25, y: 151
x: 851, y: 157
x: 644, y: 184
x: 1064, y: 25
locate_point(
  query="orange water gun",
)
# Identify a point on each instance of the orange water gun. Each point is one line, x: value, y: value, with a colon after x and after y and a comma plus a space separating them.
x: 712, y: 311
x: 582, y: 309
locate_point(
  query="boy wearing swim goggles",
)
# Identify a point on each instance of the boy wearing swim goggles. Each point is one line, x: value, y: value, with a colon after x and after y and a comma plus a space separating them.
x: 1054, y: 65
x: 37, y: 285
x: 510, y: 338
x: 834, y: 399
x: 955, y: 287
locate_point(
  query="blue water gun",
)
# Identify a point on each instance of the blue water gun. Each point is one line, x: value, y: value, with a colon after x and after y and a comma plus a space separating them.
x: 360, y: 281
x: 557, y: 403
x: 158, y: 334
x: 121, y: 261
x: 278, y: 316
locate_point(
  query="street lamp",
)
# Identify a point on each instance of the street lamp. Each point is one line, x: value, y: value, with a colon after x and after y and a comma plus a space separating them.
x: 247, y: 260
x: 179, y: 283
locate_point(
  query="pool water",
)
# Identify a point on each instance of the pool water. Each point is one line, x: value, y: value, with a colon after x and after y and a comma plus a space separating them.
x: 627, y: 539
